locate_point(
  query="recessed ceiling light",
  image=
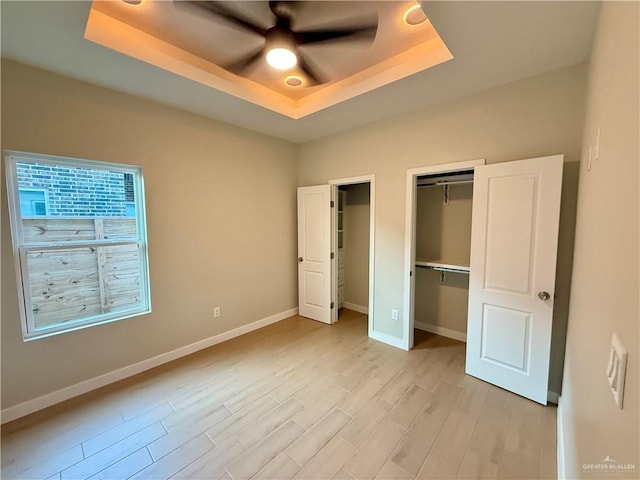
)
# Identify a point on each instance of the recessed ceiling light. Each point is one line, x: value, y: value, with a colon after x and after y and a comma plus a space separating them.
x: 414, y: 15
x: 293, y: 81
x: 133, y: 2
x: 281, y: 58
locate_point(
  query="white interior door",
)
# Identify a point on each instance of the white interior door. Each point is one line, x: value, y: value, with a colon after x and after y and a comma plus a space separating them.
x: 516, y: 209
x: 314, y: 252
x: 333, y: 314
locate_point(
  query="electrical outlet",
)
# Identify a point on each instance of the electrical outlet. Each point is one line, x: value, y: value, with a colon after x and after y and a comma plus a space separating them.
x: 395, y: 315
x: 216, y: 312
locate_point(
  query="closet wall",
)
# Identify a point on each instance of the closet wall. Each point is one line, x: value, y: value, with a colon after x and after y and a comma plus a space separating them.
x: 443, y: 232
x: 356, y: 218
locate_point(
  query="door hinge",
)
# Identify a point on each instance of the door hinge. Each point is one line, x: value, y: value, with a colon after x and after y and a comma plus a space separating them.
x: 332, y: 305
x: 332, y: 255
x: 332, y: 203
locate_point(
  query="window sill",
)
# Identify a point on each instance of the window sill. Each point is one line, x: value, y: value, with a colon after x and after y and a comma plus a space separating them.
x: 28, y: 337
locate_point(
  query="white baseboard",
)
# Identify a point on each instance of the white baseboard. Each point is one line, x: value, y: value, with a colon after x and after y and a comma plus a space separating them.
x: 356, y: 308
x: 16, y: 411
x: 562, y: 473
x: 445, y: 332
x: 388, y: 339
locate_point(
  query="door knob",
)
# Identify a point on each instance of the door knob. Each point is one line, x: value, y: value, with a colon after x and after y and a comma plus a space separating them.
x: 544, y: 296
x: 300, y: 259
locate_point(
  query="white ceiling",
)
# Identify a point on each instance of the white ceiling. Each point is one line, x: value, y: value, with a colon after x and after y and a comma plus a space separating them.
x: 493, y: 43
x: 220, y: 42
x: 197, y: 45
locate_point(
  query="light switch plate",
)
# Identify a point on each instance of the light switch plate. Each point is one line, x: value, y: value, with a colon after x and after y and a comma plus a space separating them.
x: 617, y: 369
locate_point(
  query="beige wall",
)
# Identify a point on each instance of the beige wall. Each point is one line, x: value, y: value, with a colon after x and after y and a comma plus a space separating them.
x: 356, y: 212
x: 534, y: 117
x: 197, y: 168
x: 221, y: 224
x: 443, y: 232
x: 604, y: 292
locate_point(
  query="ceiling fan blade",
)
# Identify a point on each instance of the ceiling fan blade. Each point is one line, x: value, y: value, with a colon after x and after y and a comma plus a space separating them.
x: 311, y: 73
x: 223, y: 11
x: 367, y: 32
x: 284, y: 9
x: 244, y: 63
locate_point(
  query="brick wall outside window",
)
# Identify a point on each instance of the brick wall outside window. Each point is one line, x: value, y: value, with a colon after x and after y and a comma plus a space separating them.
x: 78, y: 191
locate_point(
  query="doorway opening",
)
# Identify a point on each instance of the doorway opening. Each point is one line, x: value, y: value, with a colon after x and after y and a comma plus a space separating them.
x: 437, y: 246
x: 353, y: 219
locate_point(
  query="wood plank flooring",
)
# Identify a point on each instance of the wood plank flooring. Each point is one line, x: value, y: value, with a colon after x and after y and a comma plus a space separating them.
x: 298, y: 399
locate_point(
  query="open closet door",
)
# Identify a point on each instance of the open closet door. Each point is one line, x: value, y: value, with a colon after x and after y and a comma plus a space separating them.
x: 314, y: 252
x: 516, y: 209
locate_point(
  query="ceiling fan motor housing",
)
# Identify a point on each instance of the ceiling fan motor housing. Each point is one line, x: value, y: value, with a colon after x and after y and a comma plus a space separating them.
x: 278, y: 37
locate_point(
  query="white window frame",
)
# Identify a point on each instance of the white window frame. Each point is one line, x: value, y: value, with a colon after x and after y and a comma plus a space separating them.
x: 20, y: 249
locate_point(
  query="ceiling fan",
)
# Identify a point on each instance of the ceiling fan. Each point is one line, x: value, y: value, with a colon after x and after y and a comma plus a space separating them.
x: 281, y: 44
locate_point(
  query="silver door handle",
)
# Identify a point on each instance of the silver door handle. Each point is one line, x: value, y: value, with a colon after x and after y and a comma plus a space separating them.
x: 544, y: 296
x: 300, y: 259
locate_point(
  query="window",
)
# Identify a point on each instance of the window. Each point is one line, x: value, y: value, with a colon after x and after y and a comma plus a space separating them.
x: 33, y: 202
x: 79, y: 241
x: 130, y: 206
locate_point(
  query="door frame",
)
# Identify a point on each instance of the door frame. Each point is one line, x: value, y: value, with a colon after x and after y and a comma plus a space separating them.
x: 371, y: 180
x: 410, y: 237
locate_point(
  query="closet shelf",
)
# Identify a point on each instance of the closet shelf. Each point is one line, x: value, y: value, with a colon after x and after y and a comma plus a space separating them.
x: 443, y: 267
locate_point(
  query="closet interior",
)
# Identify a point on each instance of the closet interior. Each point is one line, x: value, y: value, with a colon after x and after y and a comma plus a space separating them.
x: 353, y: 219
x: 443, y: 244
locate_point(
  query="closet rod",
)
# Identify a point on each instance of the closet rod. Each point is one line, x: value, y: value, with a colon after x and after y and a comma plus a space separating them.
x: 451, y: 270
x: 443, y: 269
x: 444, y: 183
x: 464, y: 271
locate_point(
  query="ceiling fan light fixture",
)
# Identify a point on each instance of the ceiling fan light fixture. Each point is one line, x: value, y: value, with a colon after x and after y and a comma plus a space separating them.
x: 281, y: 58
x: 294, y: 81
x: 414, y: 15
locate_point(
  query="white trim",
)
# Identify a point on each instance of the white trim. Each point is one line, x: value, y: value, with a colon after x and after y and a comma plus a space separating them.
x: 356, y: 308
x: 388, y: 339
x: 444, y: 332
x: 372, y: 250
x: 13, y: 205
x: 352, y: 180
x: 371, y: 180
x: 409, y: 236
x: 335, y: 199
x: 29, y: 331
x: 16, y: 411
x: 562, y: 472
x: 409, y: 260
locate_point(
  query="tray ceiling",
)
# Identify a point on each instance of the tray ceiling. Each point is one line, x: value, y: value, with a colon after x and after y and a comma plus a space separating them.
x: 196, y: 44
x: 493, y: 43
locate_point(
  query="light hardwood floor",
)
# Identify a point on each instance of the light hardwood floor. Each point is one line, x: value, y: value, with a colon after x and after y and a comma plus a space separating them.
x: 297, y: 399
